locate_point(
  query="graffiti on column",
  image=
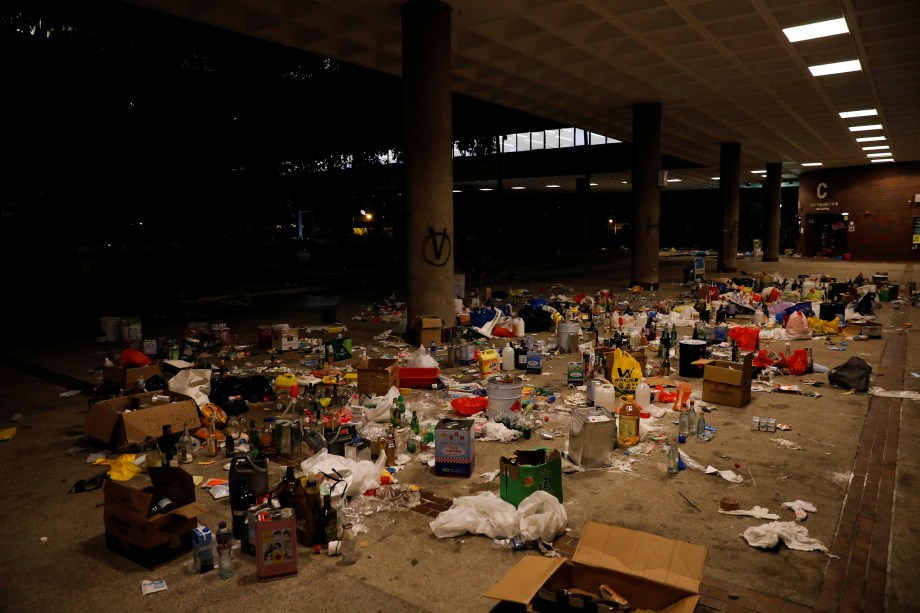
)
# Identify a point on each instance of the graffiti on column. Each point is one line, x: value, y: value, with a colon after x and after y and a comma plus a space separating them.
x: 436, y: 247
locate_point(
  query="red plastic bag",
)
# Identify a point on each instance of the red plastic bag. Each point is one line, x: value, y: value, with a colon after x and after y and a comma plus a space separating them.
x: 762, y: 360
x: 798, y: 362
x: 745, y: 338
x: 503, y: 332
x: 132, y: 358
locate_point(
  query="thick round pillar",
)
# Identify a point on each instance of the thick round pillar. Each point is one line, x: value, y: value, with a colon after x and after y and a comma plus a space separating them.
x: 428, y: 171
x: 646, y: 194
x: 729, y: 188
x: 772, y: 192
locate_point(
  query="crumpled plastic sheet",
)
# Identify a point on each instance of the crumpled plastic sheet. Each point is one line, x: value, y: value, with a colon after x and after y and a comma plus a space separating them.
x: 795, y: 536
x: 540, y: 516
x: 784, y: 442
x: 757, y: 511
x: 728, y: 475
x: 882, y: 392
x: 801, y: 509
x: 495, y: 431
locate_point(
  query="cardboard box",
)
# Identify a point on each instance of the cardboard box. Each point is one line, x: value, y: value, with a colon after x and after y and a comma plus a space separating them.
x: 284, y: 338
x: 454, y: 447
x: 151, y: 541
x: 652, y: 572
x: 727, y: 382
x: 126, y: 378
x: 428, y: 330
x: 377, y: 375
x: 528, y: 471
x: 126, y: 420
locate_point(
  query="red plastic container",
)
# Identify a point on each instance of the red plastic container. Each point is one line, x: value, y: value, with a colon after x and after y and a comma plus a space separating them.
x: 418, y: 377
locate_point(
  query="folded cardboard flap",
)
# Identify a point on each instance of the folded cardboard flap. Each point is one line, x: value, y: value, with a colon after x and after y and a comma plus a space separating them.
x: 652, y: 572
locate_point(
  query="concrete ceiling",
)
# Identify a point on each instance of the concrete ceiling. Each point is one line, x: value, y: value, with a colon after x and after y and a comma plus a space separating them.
x: 722, y: 69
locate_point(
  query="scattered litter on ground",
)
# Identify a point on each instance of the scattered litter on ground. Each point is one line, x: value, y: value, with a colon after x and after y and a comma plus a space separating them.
x: 801, y: 509
x: 882, y: 392
x: 69, y: 393
x: 782, y: 442
x: 728, y: 475
x: 149, y: 587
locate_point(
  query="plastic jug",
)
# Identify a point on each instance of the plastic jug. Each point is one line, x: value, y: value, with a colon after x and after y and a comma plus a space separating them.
x: 605, y: 396
x: 508, y: 358
x: 488, y: 362
x: 253, y: 472
x: 286, y: 382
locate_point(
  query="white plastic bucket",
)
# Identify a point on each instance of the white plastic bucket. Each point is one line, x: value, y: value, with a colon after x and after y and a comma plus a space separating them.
x: 504, y: 395
x: 110, y: 328
x: 567, y: 336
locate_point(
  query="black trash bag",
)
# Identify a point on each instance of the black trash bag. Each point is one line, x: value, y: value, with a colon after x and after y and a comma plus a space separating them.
x: 852, y: 374
x: 865, y: 304
x: 155, y: 383
x: 535, y: 320
x: 233, y: 393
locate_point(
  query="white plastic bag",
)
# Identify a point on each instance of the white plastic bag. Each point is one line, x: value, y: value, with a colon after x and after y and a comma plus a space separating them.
x: 485, y: 513
x: 358, y: 475
x: 193, y: 382
x: 382, y: 408
x: 422, y: 359
x: 542, y: 517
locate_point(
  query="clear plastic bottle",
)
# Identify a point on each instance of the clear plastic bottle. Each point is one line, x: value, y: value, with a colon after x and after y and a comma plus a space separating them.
x: 224, y: 554
x: 643, y: 395
x: 349, y: 544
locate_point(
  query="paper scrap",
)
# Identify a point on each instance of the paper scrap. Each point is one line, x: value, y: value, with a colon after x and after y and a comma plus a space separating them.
x: 801, y: 509
x: 149, y: 587
x: 728, y: 475
x: 489, y: 476
x: 782, y: 442
x: 758, y: 512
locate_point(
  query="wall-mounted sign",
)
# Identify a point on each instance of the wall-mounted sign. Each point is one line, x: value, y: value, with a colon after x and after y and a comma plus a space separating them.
x: 852, y: 227
x: 916, y: 231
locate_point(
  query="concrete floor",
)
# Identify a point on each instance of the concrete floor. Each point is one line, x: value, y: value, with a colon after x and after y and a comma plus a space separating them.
x: 403, y: 567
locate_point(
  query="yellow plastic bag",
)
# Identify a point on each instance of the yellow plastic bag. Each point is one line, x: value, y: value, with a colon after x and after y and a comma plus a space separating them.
x: 820, y: 326
x: 626, y: 373
x: 121, y: 468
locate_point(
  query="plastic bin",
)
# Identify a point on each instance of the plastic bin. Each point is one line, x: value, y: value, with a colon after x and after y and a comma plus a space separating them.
x: 418, y: 377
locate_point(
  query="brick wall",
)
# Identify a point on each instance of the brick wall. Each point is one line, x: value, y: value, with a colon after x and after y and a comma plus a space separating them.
x: 879, y: 201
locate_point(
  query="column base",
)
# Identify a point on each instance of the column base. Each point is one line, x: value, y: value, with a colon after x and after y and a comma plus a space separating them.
x: 770, y: 259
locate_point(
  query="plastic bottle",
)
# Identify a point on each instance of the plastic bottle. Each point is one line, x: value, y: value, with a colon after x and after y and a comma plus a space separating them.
x: 628, y: 427
x: 508, y: 358
x: 643, y: 395
x: 224, y: 545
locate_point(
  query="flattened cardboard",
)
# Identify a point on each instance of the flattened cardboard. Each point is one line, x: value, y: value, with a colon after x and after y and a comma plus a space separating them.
x: 654, y: 573
x: 127, y: 420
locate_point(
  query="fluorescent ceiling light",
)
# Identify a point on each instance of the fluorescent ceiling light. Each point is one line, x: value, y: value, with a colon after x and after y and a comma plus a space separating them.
x: 518, y: 187
x: 674, y: 180
x: 816, y: 30
x: 812, y: 164
x: 869, y: 139
x: 883, y: 160
x: 758, y: 172
x: 878, y: 155
x: 625, y: 182
x: 593, y: 184
x: 876, y: 147
x: 553, y: 185
x: 862, y: 113
x: 485, y: 189
x: 457, y: 191
x: 868, y: 126
x: 714, y: 178
x: 836, y: 68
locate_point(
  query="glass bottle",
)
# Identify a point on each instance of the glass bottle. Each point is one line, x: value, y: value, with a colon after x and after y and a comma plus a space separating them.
x: 167, y: 446
x: 683, y: 426
x: 255, y: 440
x: 233, y: 428
x: 229, y: 446
x: 413, y: 424
x: 701, y: 432
x: 224, y: 545
x: 692, y: 418
x: 268, y: 433
x: 313, y: 529
x: 628, y: 427
x: 349, y: 544
x: 211, y: 441
x: 153, y: 457
x: 666, y: 366
x: 186, y: 448
x: 673, y: 458
x: 423, y: 438
x: 328, y: 521
x: 390, y: 449
x: 286, y: 487
x: 242, y: 499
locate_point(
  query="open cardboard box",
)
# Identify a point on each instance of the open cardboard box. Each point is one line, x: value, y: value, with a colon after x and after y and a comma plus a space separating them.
x: 652, y: 572
x: 377, y: 375
x: 127, y: 377
x: 127, y: 420
x: 153, y: 540
x: 428, y: 330
x: 726, y: 382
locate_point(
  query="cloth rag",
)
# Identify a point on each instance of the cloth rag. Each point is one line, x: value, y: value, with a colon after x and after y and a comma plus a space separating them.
x: 795, y: 536
x: 496, y: 431
x: 758, y: 512
x: 801, y: 509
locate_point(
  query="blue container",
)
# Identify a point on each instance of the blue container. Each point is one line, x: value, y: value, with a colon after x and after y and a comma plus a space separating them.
x: 480, y: 317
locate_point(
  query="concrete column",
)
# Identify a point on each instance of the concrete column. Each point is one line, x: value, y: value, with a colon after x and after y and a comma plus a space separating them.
x: 646, y: 194
x: 583, y: 193
x: 429, y: 171
x: 729, y: 187
x: 772, y: 191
